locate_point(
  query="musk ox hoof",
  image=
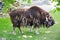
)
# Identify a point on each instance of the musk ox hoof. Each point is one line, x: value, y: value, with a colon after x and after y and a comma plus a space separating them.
x: 37, y: 32
x: 30, y: 30
x: 22, y: 32
x: 14, y: 33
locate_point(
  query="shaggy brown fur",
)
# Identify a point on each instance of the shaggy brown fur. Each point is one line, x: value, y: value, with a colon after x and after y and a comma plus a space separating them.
x: 32, y: 16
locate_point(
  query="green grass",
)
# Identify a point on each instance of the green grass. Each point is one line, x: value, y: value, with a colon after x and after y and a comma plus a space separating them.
x: 54, y: 34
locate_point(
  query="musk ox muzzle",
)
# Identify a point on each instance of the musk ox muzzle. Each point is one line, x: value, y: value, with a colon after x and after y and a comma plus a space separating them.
x: 50, y: 22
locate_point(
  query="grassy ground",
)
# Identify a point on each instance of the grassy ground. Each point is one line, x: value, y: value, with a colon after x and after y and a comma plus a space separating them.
x: 53, y: 33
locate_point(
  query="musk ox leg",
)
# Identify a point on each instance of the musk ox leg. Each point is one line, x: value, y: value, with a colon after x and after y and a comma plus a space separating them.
x: 30, y: 30
x: 19, y: 25
x: 20, y: 30
x: 14, y: 31
x: 36, y: 30
x: 36, y: 26
x: 31, y: 24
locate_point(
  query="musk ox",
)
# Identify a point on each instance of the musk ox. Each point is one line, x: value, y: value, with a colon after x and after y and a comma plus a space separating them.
x: 40, y: 16
x: 32, y: 16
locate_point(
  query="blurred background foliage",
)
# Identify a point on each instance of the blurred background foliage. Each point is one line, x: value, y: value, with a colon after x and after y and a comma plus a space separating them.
x: 58, y: 8
x: 7, y: 2
x: 57, y: 1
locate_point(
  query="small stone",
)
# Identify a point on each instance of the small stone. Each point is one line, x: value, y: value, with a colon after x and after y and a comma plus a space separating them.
x: 47, y: 31
x: 3, y: 38
x: 24, y: 36
x: 19, y: 36
x: 4, y: 31
x: 14, y: 33
x: 44, y: 37
x: 30, y: 36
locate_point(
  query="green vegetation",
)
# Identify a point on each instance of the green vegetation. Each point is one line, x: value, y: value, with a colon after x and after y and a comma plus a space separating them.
x: 57, y: 1
x: 53, y: 33
x: 6, y: 4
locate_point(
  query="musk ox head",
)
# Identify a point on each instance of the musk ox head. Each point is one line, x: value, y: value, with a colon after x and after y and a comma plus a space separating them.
x: 50, y: 22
